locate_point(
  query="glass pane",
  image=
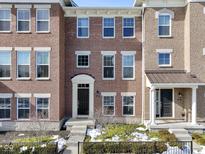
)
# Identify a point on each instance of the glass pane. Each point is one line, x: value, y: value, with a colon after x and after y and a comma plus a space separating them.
x: 164, y: 58
x: 108, y: 110
x: 42, y: 57
x: 109, y: 100
x: 82, y: 60
x: 4, y: 25
x: 164, y: 20
x: 128, y: 22
x: 4, y: 113
x: 4, y: 71
x: 23, y: 25
x: 23, y: 58
x: 83, y: 32
x: 5, y: 14
x: 23, y: 14
x: 23, y: 71
x: 108, y: 22
x: 108, y: 32
x: 42, y: 14
x: 164, y: 30
x: 128, y: 60
x: 109, y: 60
x: 42, y: 103
x: 42, y: 26
x: 23, y: 102
x: 128, y: 32
x: 5, y: 58
x: 83, y: 22
x: 43, y: 71
x: 128, y: 110
x: 128, y: 72
x: 23, y: 113
x: 128, y: 100
x: 42, y: 113
x: 108, y: 72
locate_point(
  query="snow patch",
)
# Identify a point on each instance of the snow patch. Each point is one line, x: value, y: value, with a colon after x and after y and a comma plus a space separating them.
x: 141, y: 129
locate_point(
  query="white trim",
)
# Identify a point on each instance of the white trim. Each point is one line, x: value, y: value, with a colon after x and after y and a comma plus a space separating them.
x: 85, y: 17
x: 42, y: 6
x: 164, y: 11
x: 203, y: 51
x: 83, y: 79
x: 128, y: 52
x: 77, y: 58
x: 30, y: 1
x: 23, y: 48
x: 5, y: 6
x: 22, y: 6
x: 108, y: 52
x: 24, y: 95
x: 134, y: 28
x: 177, y: 85
x: 164, y: 50
x: 108, y: 105
x: 6, y: 95
x: 82, y: 52
x: 42, y: 95
x: 108, y: 93
x: 5, y: 49
x: 108, y: 37
x: 128, y: 93
x: 42, y: 49
x: 49, y: 14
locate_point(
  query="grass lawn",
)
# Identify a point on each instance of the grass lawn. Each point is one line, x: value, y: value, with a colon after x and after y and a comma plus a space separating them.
x: 199, y: 138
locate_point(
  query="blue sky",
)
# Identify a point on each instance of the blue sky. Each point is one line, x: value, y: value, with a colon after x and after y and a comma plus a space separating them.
x: 105, y: 3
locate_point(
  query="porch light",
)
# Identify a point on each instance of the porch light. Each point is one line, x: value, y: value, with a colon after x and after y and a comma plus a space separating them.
x: 97, y: 93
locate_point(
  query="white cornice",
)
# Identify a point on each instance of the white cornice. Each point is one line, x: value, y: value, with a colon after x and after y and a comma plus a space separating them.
x: 102, y: 11
x: 164, y: 3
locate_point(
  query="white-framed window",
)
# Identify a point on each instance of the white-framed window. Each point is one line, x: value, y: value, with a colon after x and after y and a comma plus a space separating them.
x: 5, y: 20
x: 128, y: 27
x: 128, y: 104
x: 164, y: 59
x: 42, y: 108
x: 5, y: 108
x: 128, y: 65
x: 164, y: 25
x: 108, y: 60
x: 108, y: 27
x: 23, y: 64
x: 108, y: 103
x: 42, y: 20
x: 23, y: 20
x: 82, y: 59
x: 83, y: 27
x: 23, y: 104
x: 5, y: 64
x: 42, y: 64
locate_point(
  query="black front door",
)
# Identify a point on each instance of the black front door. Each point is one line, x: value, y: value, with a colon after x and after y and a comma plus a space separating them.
x: 83, y: 99
x: 166, y: 102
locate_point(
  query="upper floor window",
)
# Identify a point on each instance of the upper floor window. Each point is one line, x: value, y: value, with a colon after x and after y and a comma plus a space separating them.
x: 23, y: 20
x: 23, y: 64
x: 164, y: 25
x: 83, y: 27
x: 42, y: 64
x: 42, y: 20
x: 5, y: 20
x: 164, y: 59
x: 128, y: 27
x: 5, y: 64
x: 5, y: 108
x: 108, y: 27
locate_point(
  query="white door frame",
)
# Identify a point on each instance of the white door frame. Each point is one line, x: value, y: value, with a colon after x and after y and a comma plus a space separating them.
x: 82, y: 79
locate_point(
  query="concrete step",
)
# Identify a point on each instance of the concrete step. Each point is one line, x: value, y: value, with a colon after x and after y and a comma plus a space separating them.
x: 181, y: 134
x: 80, y: 122
x: 178, y: 131
x: 185, y: 137
x: 78, y: 132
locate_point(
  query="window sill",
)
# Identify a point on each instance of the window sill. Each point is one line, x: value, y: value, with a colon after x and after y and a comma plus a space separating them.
x: 23, y: 32
x: 5, y: 79
x: 43, y: 32
x: 5, y: 32
x: 128, y: 79
x: 81, y: 67
x: 43, y: 79
x: 19, y: 120
x: 5, y: 119
x: 108, y: 115
x: 82, y: 37
x: 23, y: 79
x: 165, y: 66
x: 165, y: 36
x: 128, y: 115
x: 108, y: 79
x: 132, y: 37
x: 108, y: 37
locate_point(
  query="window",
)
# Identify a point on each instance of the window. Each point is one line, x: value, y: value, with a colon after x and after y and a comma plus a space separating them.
x: 42, y: 108
x: 108, y: 27
x: 164, y: 59
x: 42, y: 64
x: 23, y: 20
x: 164, y: 23
x: 5, y: 64
x: 128, y: 27
x: 83, y: 27
x: 128, y: 66
x: 83, y: 61
x: 23, y: 62
x: 108, y: 67
x: 5, y: 108
x: 108, y: 105
x: 23, y: 108
x: 5, y: 20
x: 128, y: 105
x: 42, y: 20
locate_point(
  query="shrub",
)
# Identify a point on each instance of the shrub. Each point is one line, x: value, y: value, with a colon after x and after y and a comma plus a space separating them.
x: 43, y: 139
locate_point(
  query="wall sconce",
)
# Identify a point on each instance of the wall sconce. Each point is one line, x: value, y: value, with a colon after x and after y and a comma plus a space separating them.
x: 97, y: 93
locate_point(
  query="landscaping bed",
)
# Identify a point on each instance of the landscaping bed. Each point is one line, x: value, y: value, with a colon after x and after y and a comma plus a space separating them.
x: 200, y: 140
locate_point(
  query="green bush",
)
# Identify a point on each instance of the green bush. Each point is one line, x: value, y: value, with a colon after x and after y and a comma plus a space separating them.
x: 44, y: 139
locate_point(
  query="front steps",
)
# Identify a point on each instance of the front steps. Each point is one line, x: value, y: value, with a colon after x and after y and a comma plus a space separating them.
x: 181, y: 134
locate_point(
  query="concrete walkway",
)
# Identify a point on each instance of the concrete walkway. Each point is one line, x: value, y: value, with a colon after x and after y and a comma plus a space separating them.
x: 181, y: 134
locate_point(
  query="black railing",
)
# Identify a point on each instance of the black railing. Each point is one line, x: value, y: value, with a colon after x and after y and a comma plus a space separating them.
x: 28, y: 148
x: 177, y: 147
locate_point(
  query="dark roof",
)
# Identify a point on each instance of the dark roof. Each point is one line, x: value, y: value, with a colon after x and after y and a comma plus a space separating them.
x: 70, y: 3
x: 171, y: 76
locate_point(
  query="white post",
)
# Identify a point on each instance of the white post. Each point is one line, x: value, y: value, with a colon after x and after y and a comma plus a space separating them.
x: 153, y: 107
x: 74, y: 100
x: 91, y: 100
x: 194, y: 106
x: 150, y: 105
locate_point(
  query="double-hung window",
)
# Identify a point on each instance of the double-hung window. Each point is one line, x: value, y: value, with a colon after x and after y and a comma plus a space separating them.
x: 108, y: 27
x: 164, y: 57
x: 83, y: 27
x: 5, y: 108
x: 5, y: 20
x: 23, y: 108
x: 42, y: 105
x: 164, y: 25
x: 23, y: 20
x: 23, y: 64
x: 128, y: 27
x: 128, y: 102
x: 108, y: 100
x: 42, y: 64
x: 108, y: 66
x: 128, y: 65
x: 5, y: 64
x: 42, y: 20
